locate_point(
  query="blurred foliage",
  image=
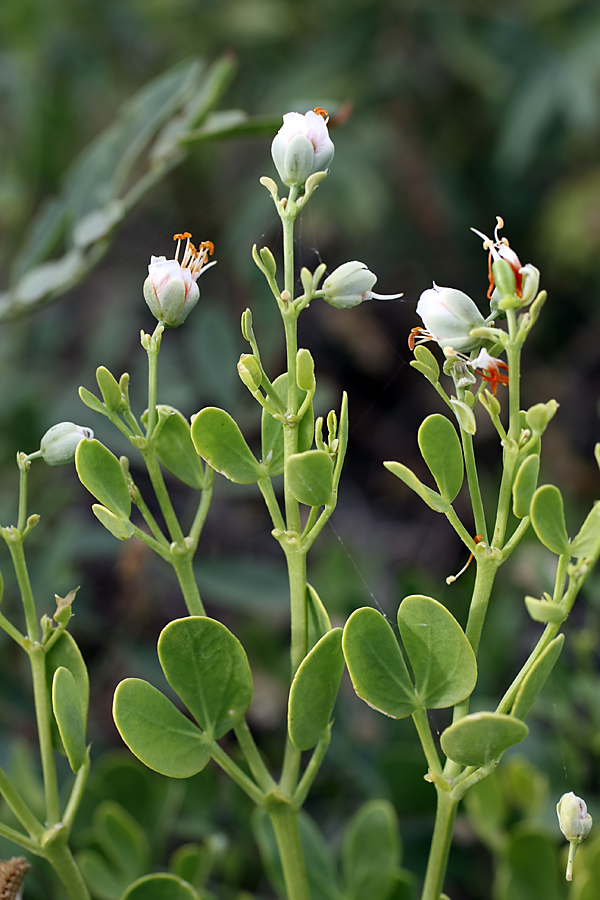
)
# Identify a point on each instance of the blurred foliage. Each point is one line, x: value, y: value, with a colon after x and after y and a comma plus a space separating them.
x: 444, y: 115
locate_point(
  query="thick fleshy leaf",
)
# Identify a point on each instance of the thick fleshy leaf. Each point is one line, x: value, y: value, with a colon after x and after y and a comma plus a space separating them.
x: 524, y: 485
x: 309, y: 476
x: 177, y: 453
x: 376, y: 665
x: 427, y: 495
x: 272, y: 429
x: 548, y: 518
x: 481, y: 737
x: 109, y: 388
x: 586, y: 543
x: 208, y: 668
x: 66, y: 654
x: 156, y: 732
x: 160, y: 887
x: 314, y: 691
x: 537, y: 678
x: 122, y: 529
x: 219, y: 441
x: 122, y: 840
x: 442, y: 659
x: 100, y: 472
x: 464, y: 415
x: 545, y: 610
x: 70, y: 715
x: 441, y: 450
x: 426, y: 363
x: 371, y: 852
x: 318, y: 621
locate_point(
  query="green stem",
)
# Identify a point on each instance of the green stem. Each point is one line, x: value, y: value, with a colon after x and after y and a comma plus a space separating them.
x: 284, y: 819
x: 440, y: 845
x: 15, y: 546
x: 11, y: 834
x: 184, y: 569
x: 37, y: 661
x: 473, y: 482
x: 152, y: 351
x: 18, y: 806
x: 23, y: 481
x: 162, y: 495
x: 255, y: 762
x: 419, y: 717
x: 58, y: 854
x: 515, y: 538
x: 236, y: 774
x: 296, y: 564
x: 290, y: 769
x: 14, y: 633
x: 266, y: 488
x: 311, y: 770
x: 76, y: 793
x: 202, y: 511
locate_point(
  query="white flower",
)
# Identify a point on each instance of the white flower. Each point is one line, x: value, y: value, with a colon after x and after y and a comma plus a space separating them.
x: 302, y: 146
x: 449, y: 316
x: 170, y: 290
x: 350, y: 284
x: 573, y: 818
x: 58, y: 446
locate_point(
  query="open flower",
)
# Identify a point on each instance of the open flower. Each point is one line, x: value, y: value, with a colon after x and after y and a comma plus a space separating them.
x: 499, y: 249
x: 170, y: 290
x: 491, y: 369
x: 302, y: 146
x: 449, y: 316
x: 350, y: 284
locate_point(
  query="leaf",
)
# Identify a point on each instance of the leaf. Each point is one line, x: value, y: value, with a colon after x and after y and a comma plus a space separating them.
x: 156, y: 732
x: 545, y: 611
x: 100, y: 472
x: 66, y: 654
x: 314, y: 691
x: 272, y: 429
x: 537, y: 677
x: 309, y: 476
x: 441, y: 657
x: 122, y: 529
x: 464, y: 415
x: 431, y: 498
x: 481, y: 737
x: 160, y: 887
x: 376, y: 665
x: 586, y: 543
x: 122, y: 840
x: 530, y: 870
x: 524, y: 485
x: 371, y: 852
x: 219, y: 441
x: 208, y: 668
x: 176, y: 451
x: 70, y: 715
x: 101, y: 879
x: 426, y: 363
x: 92, y: 401
x: 548, y: 519
x: 441, y: 450
x: 318, y: 622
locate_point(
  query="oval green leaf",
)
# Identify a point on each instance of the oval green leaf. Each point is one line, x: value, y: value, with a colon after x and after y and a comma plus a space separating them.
x: 537, y: 677
x: 426, y: 363
x: 122, y: 529
x: 524, y: 485
x: 441, y: 657
x: 109, y: 388
x: 160, y: 887
x: 219, y: 441
x: 431, y: 498
x: 99, y: 876
x: 464, y: 415
x: 548, y: 518
x: 545, y: 611
x: 481, y: 737
x: 371, y: 852
x: 376, y: 665
x: 314, y: 691
x: 156, y: 732
x: 122, y: 840
x: 318, y: 621
x: 208, y: 668
x: 176, y: 450
x: 66, y: 654
x: 586, y: 543
x: 441, y: 450
x: 100, y: 472
x: 309, y: 476
x: 272, y: 429
x: 70, y: 716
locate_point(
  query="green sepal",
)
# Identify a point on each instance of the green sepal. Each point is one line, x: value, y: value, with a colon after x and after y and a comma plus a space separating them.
x: 548, y: 519
x: 122, y: 529
x: 464, y: 415
x: 524, y: 485
x: 482, y: 737
x: 309, y: 476
x: 272, y: 429
x: 441, y: 450
x: 208, y: 669
x: 109, y: 388
x: 545, y: 611
x: 586, y: 543
x: 156, y: 732
x: 440, y: 655
x: 162, y: 886
x: 314, y: 691
x: 318, y: 621
x: 377, y: 669
x: 100, y: 472
x: 176, y: 451
x: 218, y: 440
x: 371, y: 852
x: 70, y: 714
x: 536, y: 678
x: 430, y: 497
x: 426, y: 363
x: 65, y: 653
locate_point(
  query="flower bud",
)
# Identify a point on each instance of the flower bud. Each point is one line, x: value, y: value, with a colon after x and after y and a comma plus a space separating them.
x: 58, y: 446
x: 538, y: 416
x: 350, y: 284
x: 449, y: 315
x: 301, y: 147
x: 505, y: 279
x: 249, y: 371
x: 573, y: 818
x: 170, y: 290
x: 305, y: 370
x: 529, y: 284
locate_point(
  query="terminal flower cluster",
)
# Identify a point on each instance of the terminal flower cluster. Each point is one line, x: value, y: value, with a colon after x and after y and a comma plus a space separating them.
x: 170, y: 290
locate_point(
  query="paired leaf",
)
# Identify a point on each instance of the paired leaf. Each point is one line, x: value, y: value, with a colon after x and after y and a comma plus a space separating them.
x: 100, y: 472
x: 545, y: 610
x: 272, y: 429
x: 586, y: 543
x: 309, y: 476
x: 70, y: 714
x: 176, y: 450
x: 537, y: 677
x: 548, y: 519
x: 208, y: 668
x: 441, y: 657
x: 441, y: 450
x: 426, y: 363
x: 219, y: 441
x: 481, y: 737
x: 371, y: 852
x: 314, y: 691
x: 156, y: 732
x: 66, y: 654
x: 318, y: 622
x: 427, y: 495
x: 525, y: 484
x: 122, y: 529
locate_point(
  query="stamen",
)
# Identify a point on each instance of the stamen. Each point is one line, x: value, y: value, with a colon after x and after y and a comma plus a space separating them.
x: 323, y: 113
x: 418, y: 335
x: 452, y: 578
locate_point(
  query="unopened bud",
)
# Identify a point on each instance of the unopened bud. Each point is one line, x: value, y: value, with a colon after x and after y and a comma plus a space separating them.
x: 58, y: 446
x: 504, y: 277
x: 249, y: 371
x: 575, y: 823
x: 305, y: 370
x: 301, y: 147
x: 538, y: 416
x: 449, y: 315
x: 530, y: 283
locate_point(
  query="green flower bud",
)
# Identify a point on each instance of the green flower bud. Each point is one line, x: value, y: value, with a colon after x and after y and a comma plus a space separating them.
x: 305, y: 370
x: 350, y: 284
x: 504, y: 277
x: 58, y: 446
x: 530, y: 283
x: 573, y: 818
x: 249, y: 371
x: 538, y: 416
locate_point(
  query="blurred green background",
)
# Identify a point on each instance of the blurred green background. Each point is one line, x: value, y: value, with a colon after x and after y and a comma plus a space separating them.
x: 444, y: 115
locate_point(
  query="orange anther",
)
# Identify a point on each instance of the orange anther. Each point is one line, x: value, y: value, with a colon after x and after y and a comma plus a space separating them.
x: 182, y: 237
x: 322, y: 112
x: 208, y: 245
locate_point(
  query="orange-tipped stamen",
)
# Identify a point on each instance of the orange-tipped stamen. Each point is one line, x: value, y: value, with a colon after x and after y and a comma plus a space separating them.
x: 452, y: 578
x: 418, y: 335
x: 323, y: 113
